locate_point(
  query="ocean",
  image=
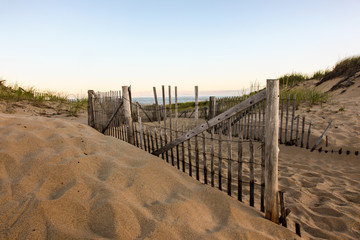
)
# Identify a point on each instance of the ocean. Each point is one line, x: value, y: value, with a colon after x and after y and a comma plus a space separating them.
x: 151, y: 100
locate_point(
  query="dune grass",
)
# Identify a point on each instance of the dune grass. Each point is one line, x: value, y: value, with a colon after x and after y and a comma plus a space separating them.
x: 15, y: 93
x: 309, y: 96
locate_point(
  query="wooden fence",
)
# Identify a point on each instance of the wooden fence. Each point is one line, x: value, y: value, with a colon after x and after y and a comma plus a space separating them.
x: 227, y: 152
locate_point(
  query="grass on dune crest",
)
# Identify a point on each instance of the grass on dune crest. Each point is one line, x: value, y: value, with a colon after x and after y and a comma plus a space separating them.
x: 15, y: 93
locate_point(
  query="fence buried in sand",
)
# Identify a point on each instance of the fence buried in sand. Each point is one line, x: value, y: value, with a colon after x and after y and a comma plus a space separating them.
x: 225, y: 149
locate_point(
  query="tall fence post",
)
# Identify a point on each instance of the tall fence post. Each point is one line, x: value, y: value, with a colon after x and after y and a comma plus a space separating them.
x: 156, y: 106
x: 91, y: 112
x: 271, y: 150
x: 127, y: 113
x: 212, y: 107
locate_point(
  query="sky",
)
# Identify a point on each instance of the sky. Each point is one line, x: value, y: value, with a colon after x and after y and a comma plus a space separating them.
x: 220, y: 46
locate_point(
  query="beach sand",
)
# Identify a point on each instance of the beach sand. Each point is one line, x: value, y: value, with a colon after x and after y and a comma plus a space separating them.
x: 60, y: 179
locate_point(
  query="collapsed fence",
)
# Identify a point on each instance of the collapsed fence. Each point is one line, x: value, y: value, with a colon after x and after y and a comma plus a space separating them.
x: 226, y: 152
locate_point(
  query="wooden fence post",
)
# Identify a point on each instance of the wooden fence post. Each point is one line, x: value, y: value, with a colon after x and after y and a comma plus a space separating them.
x: 91, y: 110
x: 157, y: 106
x: 272, y: 150
x: 212, y: 107
x: 127, y: 113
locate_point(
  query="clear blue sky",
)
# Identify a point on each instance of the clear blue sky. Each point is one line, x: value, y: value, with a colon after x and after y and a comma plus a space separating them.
x: 73, y: 46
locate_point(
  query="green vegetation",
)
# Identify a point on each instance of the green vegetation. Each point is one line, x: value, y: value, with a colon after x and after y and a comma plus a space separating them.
x: 344, y: 68
x: 289, y: 80
x: 311, y: 96
x: 341, y: 109
x: 58, y: 101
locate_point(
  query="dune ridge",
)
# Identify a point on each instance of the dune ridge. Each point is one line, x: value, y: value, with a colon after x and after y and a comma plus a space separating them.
x: 63, y: 180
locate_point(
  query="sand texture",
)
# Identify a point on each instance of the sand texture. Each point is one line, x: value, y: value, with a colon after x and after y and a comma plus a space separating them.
x: 63, y: 180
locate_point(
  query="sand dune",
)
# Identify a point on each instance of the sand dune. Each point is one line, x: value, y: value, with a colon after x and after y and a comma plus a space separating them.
x: 322, y: 190
x: 63, y: 180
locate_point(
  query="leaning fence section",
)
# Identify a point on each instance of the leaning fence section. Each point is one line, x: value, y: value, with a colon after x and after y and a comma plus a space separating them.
x: 226, y: 152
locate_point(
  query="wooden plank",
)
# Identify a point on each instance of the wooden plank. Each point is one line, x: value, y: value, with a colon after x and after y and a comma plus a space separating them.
x: 298, y: 229
x: 308, y: 136
x: 127, y: 113
x: 152, y: 140
x: 140, y: 131
x: 282, y: 209
x: 248, y: 124
x: 229, y: 158
x: 157, y: 106
x: 161, y: 145
x: 204, y: 158
x: 303, y: 132
x: 297, y: 129
x: 220, y: 161
x: 281, y: 118
x: 272, y: 150
x: 196, y: 138
x: 144, y: 137
x: 197, y: 161
x: 212, y: 157
x: 319, y: 139
x: 292, y: 119
x: 264, y: 120
x: 240, y: 169
x: 252, y: 122
x: 189, y: 156
x: 165, y: 137
x: 91, y: 108
x: 176, y: 128
x: 112, y: 117
x: 183, y: 153
x: 262, y: 203
x: 252, y: 179
x: 212, y: 122
x: 156, y: 140
x: 148, y: 139
x: 212, y: 107
x: 287, y: 116
x: 255, y: 109
x: 170, y: 124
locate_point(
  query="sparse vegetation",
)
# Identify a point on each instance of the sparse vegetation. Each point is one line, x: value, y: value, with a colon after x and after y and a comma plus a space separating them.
x: 346, y: 67
x: 311, y: 96
x: 319, y: 74
x: 289, y: 80
x: 59, y: 102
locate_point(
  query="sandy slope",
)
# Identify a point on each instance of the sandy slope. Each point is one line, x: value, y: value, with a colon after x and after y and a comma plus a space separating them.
x: 63, y: 180
x: 343, y: 108
x: 322, y: 190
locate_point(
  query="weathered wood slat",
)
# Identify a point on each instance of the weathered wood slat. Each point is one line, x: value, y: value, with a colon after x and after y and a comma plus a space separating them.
x: 212, y: 122
x: 319, y: 139
x: 112, y: 117
x: 170, y: 124
x: 308, y: 136
x: 240, y: 169
x: 212, y: 157
x: 281, y: 118
x: 157, y: 106
x: 204, y: 158
x: 262, y: 203
x: 220, y: 161
x: 229, y: 158
x: 303, y: 132
x: 287, y: 116
x: 252, y: 179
